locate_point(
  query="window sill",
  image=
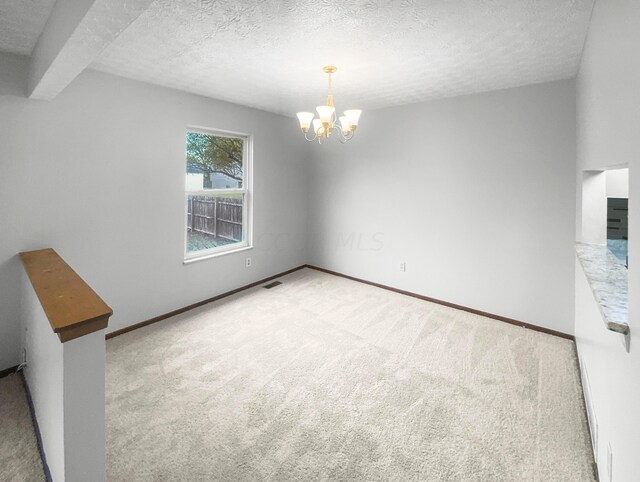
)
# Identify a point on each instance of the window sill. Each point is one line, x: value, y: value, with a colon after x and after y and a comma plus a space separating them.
x: 216, y: 255
x: 608, y: 280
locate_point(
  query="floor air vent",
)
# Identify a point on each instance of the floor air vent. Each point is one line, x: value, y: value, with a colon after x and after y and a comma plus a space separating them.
x: 272, y: 285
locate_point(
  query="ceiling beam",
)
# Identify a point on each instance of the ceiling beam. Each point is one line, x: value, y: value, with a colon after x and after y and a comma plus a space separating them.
x: 76, y: 32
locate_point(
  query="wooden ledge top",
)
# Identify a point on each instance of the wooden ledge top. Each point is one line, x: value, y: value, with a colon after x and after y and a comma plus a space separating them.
x: 73, y: 308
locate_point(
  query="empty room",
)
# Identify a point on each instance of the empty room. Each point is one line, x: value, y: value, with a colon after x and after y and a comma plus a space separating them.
x: 356, y: 240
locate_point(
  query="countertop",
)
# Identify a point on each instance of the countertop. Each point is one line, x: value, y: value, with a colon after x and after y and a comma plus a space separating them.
x: 608, y: 279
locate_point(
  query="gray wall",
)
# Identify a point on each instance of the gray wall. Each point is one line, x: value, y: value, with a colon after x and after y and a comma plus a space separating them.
x: 98, y: 174
x: 608, y: 135
x: 67, y: 387
x: 476, y: 194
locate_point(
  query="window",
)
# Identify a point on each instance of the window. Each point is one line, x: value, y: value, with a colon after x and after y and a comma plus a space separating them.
x: 617, y: 186
x: 217, y: 193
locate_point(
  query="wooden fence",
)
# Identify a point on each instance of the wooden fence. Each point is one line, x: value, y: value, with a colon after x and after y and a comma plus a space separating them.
x: 215, y: 216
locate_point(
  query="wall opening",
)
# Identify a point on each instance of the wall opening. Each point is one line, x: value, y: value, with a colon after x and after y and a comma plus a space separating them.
x: 617, y: 182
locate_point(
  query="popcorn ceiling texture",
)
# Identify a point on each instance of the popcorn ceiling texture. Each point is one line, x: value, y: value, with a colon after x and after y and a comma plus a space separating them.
x: 21, y: 23
x: 269, y: 53
x: 323, y: 378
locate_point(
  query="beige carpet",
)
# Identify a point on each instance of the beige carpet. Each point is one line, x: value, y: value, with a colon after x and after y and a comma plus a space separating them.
x: 19, y: 456
x: 323, y: 378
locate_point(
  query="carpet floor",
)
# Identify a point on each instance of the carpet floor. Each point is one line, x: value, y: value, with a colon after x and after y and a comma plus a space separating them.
x: 19, y: 456
x: 323, y: 378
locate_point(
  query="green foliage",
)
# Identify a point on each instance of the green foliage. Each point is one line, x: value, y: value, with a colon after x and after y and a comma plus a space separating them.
x: 199, y: 241
x: 213, y: 154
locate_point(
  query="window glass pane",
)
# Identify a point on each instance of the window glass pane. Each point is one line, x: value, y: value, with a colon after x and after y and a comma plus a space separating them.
x: 214, y: 162
x: 214, y: 221
x: 618, y: 227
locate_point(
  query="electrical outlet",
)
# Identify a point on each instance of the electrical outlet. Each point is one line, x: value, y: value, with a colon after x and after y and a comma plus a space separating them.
x: 403, y: 267
x: 248, y: 262
x: 609, y: 462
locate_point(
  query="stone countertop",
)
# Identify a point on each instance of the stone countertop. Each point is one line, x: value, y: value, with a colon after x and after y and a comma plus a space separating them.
x: 608, y: 279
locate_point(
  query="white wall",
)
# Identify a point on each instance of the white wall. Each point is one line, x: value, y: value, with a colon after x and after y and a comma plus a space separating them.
x: 608, y: 119
x: 85, y: 442
x: 594, y: 207
x: 98, y: 174
x: 618, y: 183
x: 13, y: 74
x: 44, y: 375
x: 476, y: 194
x: 66, y: 382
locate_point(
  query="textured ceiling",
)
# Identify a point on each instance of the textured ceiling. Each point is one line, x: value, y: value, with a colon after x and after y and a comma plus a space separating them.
x: 21, y: 22
x: 269, y: 53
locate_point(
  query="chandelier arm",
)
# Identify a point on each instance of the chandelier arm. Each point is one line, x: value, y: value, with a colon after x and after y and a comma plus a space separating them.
x: 342, y: 137
x: 325, y: 129
x: 312, y: 139
x: 340, y: 134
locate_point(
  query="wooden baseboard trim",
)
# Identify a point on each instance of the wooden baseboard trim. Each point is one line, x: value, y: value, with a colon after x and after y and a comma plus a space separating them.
x: 8, y: 371
x: 342, y: 275
x: 196, y: 305
x: 450, y: 305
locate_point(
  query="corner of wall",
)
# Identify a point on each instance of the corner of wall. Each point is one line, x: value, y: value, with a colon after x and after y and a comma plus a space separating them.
x: 13, y: 74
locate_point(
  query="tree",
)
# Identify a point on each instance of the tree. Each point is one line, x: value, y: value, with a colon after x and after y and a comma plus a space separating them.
x: 212, y: 154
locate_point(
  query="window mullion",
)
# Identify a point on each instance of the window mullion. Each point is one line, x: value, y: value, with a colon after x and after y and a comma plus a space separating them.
x: 216, y: 192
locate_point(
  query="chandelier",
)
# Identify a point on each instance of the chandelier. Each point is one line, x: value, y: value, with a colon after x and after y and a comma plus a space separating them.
x: 326, y: 123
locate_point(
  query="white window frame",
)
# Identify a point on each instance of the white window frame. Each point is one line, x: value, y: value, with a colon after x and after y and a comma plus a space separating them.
x: 247, y: 190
